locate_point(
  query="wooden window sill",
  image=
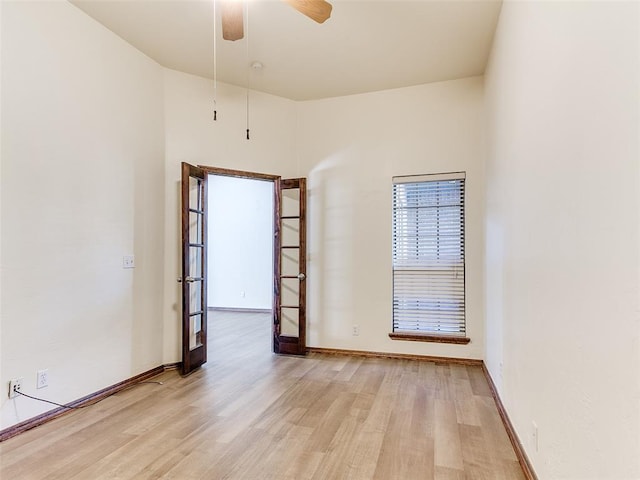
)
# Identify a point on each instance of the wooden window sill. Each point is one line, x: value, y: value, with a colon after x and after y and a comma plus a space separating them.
x: 424, y: 337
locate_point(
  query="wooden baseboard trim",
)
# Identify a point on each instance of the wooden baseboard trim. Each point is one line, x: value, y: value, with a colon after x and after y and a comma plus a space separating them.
x: 172, y: 366
x: 46, y: 417
x: 398, y: 356
x: 527, y: 468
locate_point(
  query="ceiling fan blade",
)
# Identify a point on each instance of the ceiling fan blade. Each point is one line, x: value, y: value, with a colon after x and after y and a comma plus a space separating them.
x: 317, y: 10
x: 232, y: 20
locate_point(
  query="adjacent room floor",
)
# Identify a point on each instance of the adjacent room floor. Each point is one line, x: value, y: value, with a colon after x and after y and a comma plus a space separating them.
x: 248, y: 414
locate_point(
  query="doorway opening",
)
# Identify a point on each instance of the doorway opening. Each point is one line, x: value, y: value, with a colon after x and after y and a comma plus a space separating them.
x: 240, y: 264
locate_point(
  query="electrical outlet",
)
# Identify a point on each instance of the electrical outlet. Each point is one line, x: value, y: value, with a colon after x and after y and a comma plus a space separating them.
x: 15, y: 385
x: 534, y: 435
x: 42, y: 378
x: 356, y: 330
x: 128, y: 261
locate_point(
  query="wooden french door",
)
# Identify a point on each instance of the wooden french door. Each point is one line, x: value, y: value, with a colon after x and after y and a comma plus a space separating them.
x: 290, y: 272
x: 194, y: 262
x: 289, y: 263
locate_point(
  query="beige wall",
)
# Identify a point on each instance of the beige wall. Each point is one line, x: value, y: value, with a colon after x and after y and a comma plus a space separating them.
x: 562, y: 239
x: 349, y: 148
x: 82, y: 178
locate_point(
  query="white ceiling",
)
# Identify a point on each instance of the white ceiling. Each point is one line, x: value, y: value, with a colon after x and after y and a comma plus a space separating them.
x: 365, y: 46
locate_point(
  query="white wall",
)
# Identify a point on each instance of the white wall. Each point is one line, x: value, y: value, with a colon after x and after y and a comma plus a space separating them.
x: 1, y: 149
x: 82, y: 175
x: 240, y: 239
x: 562, y: 239
x: 350, y: 148
x: 193, y: 137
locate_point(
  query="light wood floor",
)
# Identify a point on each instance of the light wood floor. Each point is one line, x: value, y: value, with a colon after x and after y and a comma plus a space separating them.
x: 251, y: 415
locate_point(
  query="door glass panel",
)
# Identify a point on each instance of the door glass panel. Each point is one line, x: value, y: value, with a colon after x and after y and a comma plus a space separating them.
x: 195, y: 262
x: 195, y: 195
x: 289, y: 261
x: 195, y: 296
x: 195, y: 228
x: 289, y: 326
x: 195, y: 332
x: 290, y: 231
x: 290, y: 202
x: 289, y: 291
x: 289, y: 294
x: 195, y: 203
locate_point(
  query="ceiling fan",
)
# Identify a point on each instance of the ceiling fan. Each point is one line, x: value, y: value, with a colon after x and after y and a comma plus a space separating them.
x: 232, y: 18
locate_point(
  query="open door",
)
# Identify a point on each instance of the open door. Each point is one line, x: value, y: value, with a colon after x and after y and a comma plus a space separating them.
x: 290, y: 273
x: 194, y: 261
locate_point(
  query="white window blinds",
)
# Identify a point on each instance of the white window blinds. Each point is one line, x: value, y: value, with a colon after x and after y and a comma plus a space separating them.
x: 428, y: 254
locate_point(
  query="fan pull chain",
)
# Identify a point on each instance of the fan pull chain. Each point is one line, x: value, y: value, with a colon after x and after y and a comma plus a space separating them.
x: 248, y: 68
x: 215, y: 62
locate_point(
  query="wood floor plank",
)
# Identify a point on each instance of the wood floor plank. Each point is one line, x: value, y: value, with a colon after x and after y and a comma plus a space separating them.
x: 479, y: 384
x: 129, y: 461
x: 304, y: 466
x: 442, y: 383
x: 445, y: 473
x: 406, y: 451
x: 476, y: 457
x: 248, y: 414
x: 363, y: 457
x: 337, y: 457
x: 464, y: 401
x: 348, y: 370
x: 493, y: 430
x: 291, y: 445
x: 448, y: 448
x: 334, y: 415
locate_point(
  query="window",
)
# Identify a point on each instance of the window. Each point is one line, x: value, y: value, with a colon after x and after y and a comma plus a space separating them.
x: 428, y: 258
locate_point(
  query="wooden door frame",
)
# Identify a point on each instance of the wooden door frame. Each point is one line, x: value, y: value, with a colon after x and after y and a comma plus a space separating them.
x: 276, y: 180
x: 226, y: 172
